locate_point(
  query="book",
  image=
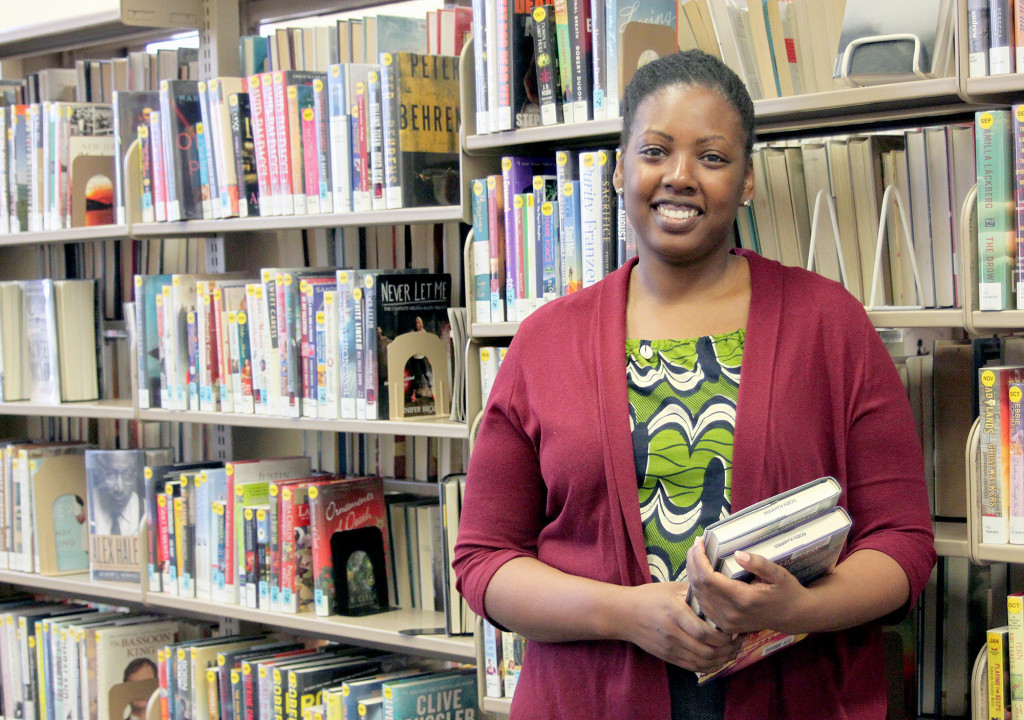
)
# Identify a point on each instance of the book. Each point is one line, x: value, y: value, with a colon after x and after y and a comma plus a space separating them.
x: 420, y: 119
x: 53, y: 500
x: 131, y: 109
x: 452, y: 691
x: 1015, y: 642
x: 15, y: 371
x: 406, y: 323
x: 994, y: 452
x: 768, y: 517
x: 127, y: 654
x: 998, y: 648
x: 345, y: 504
x: 997, y: 236
x: 809, y: 551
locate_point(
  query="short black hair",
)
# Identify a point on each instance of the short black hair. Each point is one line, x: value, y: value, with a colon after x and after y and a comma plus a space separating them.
x: 690, y: 67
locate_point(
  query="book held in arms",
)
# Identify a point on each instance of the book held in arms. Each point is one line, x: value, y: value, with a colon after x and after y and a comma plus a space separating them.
x: 801, y: 529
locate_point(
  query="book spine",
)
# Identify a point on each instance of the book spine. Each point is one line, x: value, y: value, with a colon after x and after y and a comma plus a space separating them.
x: 994, y: 502
x: 251, y: 569
x: 546, y: 53
x: 503, y: 61
x: 375, y: 136
x: 204, y: 147
x: 977, y: 37
x: 1001, y: 55
x: 328, y: 359
x: 192, y: 366
x: 998, y: 672
x: 307, y: 349
x: 222, y: 343
x: 572, y: 237
x: 164, y: 534
x: 359, y: 323
x: 261, y: 140
x: 480, y: 55
x: 273, y: 549
x: 598, y: 77
x: 481, y: 253
x: 389, y: 80
x: 294, y: 142
x: 156, y: 145
x: 996, y: 232
x: 321, y: 119
x: 282, y: 144
x: 340, y: 141
x: 236, y: 195
x: 550, y: 261
x: 310, y: 161
x: 1015, y: 623
x: 607, y: 201
x: 374, y: 410
x: 262, y: 558
x: 230, y: 593
x: 246, y: 361
x: 145, y: 174
x: 1015, y: 460
x: 217, y: 538
x: 516, y: 260
x: 580, y: 48
x: 360, y: 156
x: 288, y: 598
x: 346, y: 372
x: 496, y: 247
x: 590, y: 218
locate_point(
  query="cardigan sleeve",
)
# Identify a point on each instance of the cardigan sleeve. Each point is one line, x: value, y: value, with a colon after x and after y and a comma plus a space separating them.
x: 886, y: 491
x: 504, y: 502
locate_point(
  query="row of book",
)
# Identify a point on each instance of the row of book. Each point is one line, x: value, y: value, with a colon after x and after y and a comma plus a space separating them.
x: 355, y: 40
x: 570, y: 61
x: 76, y: 662
x: 354, y: 138
x: 543, y: 228
x: 97, y: 80
x: 994, y: 43
x: 1001, y: 453
x: 503, y: 655
x: 50, y: 341
x: 1004, y: 667
x: 323, y: 343
x: 933, y: 168
x: 266, y: 534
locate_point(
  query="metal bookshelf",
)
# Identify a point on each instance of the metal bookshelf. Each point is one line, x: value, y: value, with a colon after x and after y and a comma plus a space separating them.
x: 118, y: 409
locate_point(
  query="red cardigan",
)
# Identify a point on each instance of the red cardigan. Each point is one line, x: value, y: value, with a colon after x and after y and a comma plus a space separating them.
x: 552, y: 477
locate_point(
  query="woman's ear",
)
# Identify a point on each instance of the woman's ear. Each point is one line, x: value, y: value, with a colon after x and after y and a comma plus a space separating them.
x: 617, y: 176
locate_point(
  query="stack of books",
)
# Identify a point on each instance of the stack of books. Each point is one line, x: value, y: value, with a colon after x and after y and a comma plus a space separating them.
x: 802, y: 530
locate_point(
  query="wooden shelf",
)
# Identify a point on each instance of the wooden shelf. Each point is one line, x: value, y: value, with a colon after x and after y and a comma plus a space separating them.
x: 80, y: 234
x: 383, y: 630
x: 120, y: 409
x: 77, y: 585
x: 406, y: 216
x: 442, y: 428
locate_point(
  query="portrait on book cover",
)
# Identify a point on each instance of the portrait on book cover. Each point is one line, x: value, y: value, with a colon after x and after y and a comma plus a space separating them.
x: 115, y: 479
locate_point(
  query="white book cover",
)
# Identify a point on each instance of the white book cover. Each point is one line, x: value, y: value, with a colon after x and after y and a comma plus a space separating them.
x: 590, y: 217
x: 41, y: 336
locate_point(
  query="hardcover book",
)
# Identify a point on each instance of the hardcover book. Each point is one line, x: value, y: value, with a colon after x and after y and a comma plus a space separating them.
x: 418, y: 698
x: 56, y: 495
x: 420, y: 111
x: 131, y: 109
x: 346, y: 504
x: 399, y: 304
x: 180, y: 107
x: 127, y: 654
x: 997, y: 235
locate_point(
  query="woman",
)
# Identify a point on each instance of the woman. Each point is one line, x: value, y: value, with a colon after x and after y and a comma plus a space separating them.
x: 620, y: 426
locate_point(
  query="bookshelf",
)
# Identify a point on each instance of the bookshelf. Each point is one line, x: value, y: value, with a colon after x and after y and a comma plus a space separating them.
x: 790, y: 116
x: 414, y: 632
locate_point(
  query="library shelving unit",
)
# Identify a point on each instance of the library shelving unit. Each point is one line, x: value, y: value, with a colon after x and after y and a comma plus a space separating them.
x: 416, y: 632
x: 862, y: 109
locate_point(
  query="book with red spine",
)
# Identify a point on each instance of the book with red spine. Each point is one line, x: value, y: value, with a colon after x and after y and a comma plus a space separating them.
x: 269, y: 113
x: 310, y: 152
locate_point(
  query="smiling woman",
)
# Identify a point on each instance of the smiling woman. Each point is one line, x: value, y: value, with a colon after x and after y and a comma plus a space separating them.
x: 695, y: 380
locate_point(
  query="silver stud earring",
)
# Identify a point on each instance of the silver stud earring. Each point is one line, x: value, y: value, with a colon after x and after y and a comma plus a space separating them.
x: 746, y: 203
x: 618, y: 191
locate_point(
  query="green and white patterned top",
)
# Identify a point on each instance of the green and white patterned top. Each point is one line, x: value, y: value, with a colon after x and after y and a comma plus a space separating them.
x: 682, y: 414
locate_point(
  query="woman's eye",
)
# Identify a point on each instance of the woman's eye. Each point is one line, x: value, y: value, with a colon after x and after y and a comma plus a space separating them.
x: 652, y: 151
x: 714, y: 158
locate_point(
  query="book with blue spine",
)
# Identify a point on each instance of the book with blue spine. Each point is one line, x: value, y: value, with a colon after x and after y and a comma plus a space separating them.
x: 572, y: 237
x: 419, y: 698
x: 550, y: 264
x: 204, y: 153
x: 321, y: 120
x: 481, y: 249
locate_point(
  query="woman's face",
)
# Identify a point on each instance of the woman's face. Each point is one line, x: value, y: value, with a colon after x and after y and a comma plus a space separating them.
x: 684, y: 173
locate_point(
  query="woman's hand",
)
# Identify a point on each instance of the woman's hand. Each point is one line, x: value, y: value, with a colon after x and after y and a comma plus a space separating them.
x: 770, y: 601
x: 661, y: 622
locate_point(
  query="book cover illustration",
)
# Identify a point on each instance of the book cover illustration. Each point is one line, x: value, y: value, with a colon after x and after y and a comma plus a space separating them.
x: 347, y: 504
x: 455, y: 690
x: 116, y: 484
x: 409, y: 303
